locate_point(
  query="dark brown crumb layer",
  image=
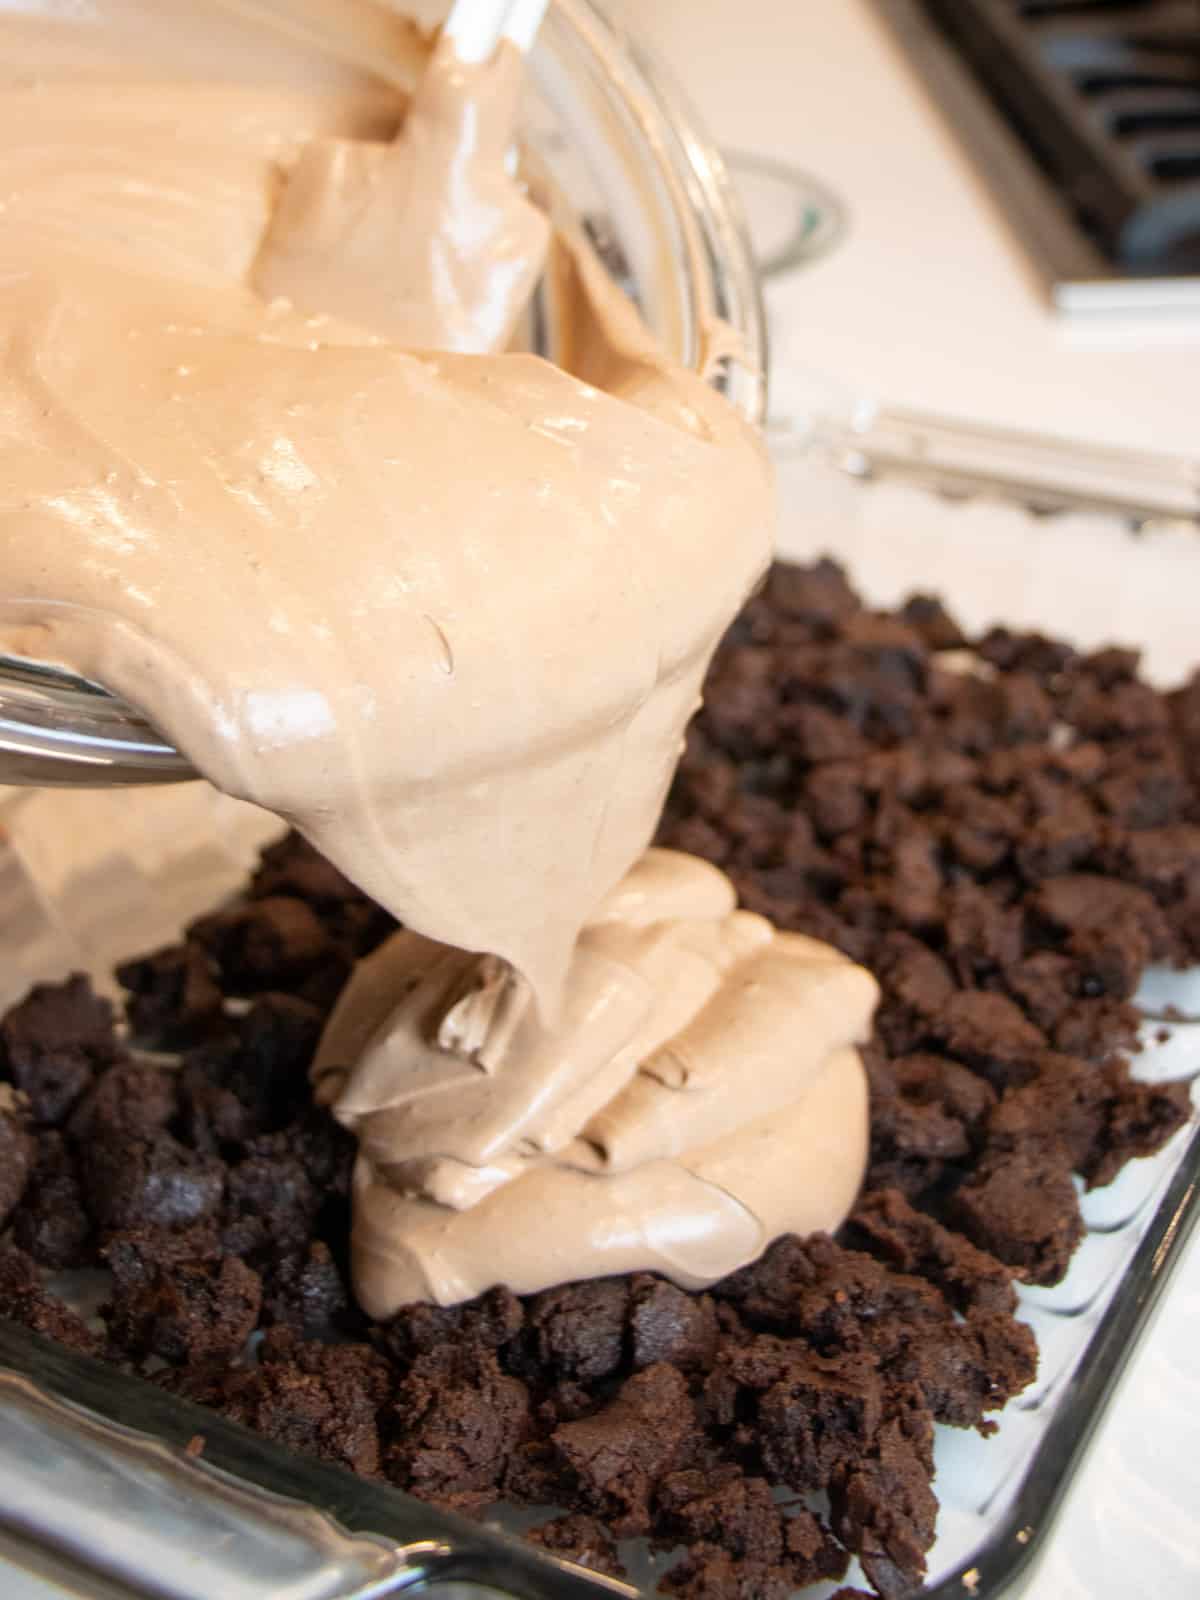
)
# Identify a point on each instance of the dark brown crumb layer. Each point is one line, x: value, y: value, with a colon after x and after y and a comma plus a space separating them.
x: 1007, y: 849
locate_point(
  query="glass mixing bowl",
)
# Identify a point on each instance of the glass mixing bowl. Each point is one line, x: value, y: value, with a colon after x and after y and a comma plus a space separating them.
x: 623, y: 150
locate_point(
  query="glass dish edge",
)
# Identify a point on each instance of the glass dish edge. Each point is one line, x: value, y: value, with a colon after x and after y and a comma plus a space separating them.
x: 1005, y: 1563
x: 454, y: 1550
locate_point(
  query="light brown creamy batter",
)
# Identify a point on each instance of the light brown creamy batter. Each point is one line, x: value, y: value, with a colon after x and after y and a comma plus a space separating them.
x: 699, y: 1096
x: 267, y: 470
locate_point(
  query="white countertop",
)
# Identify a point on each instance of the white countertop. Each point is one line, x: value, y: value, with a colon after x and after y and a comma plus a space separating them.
x: 931, y: 302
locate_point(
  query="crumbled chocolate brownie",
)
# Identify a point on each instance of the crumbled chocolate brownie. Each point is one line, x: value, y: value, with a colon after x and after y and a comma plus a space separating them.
x: 665, y: 1324
x: 936, y: 1081
x: 306, y: 1292
x: 24, y: 1300
x: 916, y: 1129
x: 582, y: 1540
x: 17, y: 1149
x: 1095, y: 1030
x: 128, y: 1099
x: 834, y: 798
x: 132, y: 1179
x: 817, y: 1415
x: 270, y: 1204
x: 277, y: 1041
x: 618, y: 1454
x: 578, y: 1331
x: 819, y: 596
x: 969, y: 1368
x: 1112, y: 664
x: 1045, y: 984
x: 1007, y: 838
x: 495, y: 1319
x: 52, y: 1222
x: 836, y: 1300
x: 722, y: 1506
x: 811, y: 1553
x: 1148, y: 796
x: 813, y: 734
x: 178, y: 1299
x: 1115, y: 710
x: 1163, y: 861
x: 324, y: 1149
x: 1085, y: 903
x: 1062, y: 1110
x: 884, y: 1509
x: 911, y: 1242
x: 420, y: 1329
x: 1022, y: 1208
x: 266, y: 944
x: 175, y: 998
x: 1139, y: 1118
x: 135, y: 1255
x: 320, y: 1400
x: 1062, y: 840
x: 928, y: 617
x: 919, y: 985
x: 983, y: 934
x: 53, y: 1043
x: 909, y: 882
x: 454, y: 1424
x: 742, y: 1544
x: 254, y: 1081
x: 492, y: 1322
x: 211, y: 1117
x: 990, y: 1033
x: 294, y: 868
x: 710, y: 1572
x: 707, y: 1572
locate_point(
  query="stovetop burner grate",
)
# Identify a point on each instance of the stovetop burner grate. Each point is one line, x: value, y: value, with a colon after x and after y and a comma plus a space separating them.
x: 1107, y: 98
x: 1100, y: 102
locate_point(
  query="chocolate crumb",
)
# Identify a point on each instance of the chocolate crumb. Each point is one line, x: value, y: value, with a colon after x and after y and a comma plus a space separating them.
x: 319, y: 1400
x: 53, y: 1043
x: 1023, y: 1209
x: 175, y: 998
x: 884, y: 1510
x: 126, y: 1099
x: 456, y: 1420
x: 618, y: 1454
x: 132, y: 1179
x: 17, y: 1151
x: 192, y: 1311
x: 578, y: 1331
x: 23, y: 1299
x: 268, y: 944
x: 580, y: 1539
x: 666, y: 1324
x: 52, y: 1222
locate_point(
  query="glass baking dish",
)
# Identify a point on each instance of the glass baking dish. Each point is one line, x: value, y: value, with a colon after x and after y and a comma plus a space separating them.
x: 114, y: 1489
x: 102, y: 1494
x: 168, y: 854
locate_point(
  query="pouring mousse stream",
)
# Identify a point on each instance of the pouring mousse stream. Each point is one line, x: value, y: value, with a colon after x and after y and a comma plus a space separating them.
x: 444, y: 606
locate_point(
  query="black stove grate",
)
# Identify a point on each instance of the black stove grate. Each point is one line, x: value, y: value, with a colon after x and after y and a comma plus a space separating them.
x: 1105, y: 95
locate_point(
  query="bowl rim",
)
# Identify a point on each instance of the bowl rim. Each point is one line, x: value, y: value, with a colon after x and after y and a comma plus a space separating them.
x: 724, y: 283
x: 56, y: 729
